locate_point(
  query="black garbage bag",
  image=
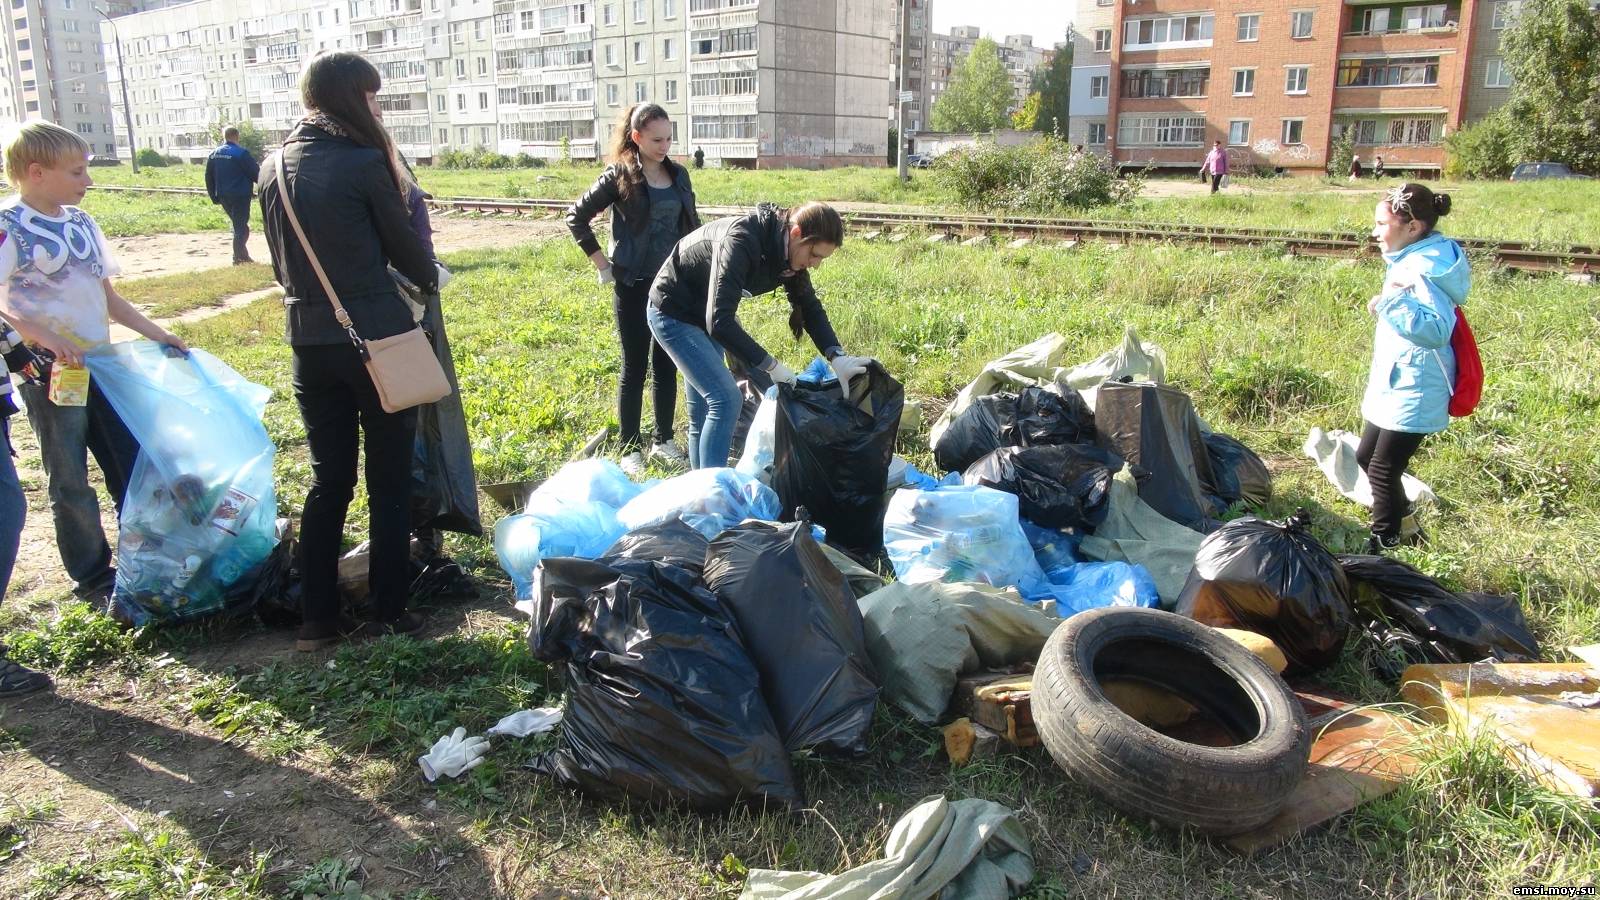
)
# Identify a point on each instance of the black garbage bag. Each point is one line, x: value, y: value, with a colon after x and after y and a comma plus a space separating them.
x: 831, y: 455
x: 663, y: 703
x: 673, y: 542
x: 1154, y: 427
x: 1410, y: 618
x: 1057, y: 487
x: 1045, y: 418
x: 753, y: 384
x: 1237, y: 472
x: 975, y: 432
x: 1275, y: 579
x: 803, y: 628
x: 444, y: 489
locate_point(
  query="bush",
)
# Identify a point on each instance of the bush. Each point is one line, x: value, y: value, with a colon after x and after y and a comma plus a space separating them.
x: 1344, y: 151
x: 150, y: 157
x: 475, y: 159
x: 1481, y: 150
x: 528, y: 161
x: 1044, y: 175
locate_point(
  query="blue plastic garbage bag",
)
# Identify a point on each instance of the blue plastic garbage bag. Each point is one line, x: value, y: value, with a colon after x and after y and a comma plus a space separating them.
x: 200, y: 513
x: 1092, y: 585
x: 922, y: 481
x: 709, y: 500
x: 599, y: 480
x: 1054, y: 548
x: 961, y: 533
x: 760, y: 442
x: 585, y: 530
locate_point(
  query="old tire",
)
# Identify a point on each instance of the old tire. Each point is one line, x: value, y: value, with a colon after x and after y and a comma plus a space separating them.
x: 1216, y: 789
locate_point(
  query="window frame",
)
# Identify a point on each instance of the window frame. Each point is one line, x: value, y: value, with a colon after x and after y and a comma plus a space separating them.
x: 1283, y: 131
x: 1254, y: 18
x: 1244, y: 70
x: 1289, y: 80
x: 1244, y: 141
x: 1311, y: 24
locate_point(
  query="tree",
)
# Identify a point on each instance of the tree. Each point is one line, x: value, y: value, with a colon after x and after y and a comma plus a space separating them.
x: 1027, y: 116
x: 979, y: 94
x: 1055, y: 92
x: 250, y: 137
x: 1553, y: 51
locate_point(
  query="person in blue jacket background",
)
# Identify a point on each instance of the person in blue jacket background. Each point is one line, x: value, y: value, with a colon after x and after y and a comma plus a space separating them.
x: 1413, y: 368
x: 231, y: 174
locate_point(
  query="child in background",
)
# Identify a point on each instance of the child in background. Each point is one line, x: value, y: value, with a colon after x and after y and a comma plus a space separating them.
x: 55, y: 289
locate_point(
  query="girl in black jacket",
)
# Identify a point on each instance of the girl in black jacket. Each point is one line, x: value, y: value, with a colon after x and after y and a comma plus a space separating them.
x: 349, y: 189
x: 652, y: 206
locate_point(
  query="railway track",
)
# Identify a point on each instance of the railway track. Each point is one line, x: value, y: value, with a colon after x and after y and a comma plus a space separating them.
x: 1518, y: 255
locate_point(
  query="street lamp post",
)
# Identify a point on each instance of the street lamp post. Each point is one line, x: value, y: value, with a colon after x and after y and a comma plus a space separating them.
x: 127, y: 111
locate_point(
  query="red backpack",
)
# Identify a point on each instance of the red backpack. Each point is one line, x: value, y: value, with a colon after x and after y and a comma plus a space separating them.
x: 1468, y: 389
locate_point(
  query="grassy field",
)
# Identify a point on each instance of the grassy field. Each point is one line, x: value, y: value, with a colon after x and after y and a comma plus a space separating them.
x: 1551, y: 212
x: 172, y: 295
x: 1267, y: 347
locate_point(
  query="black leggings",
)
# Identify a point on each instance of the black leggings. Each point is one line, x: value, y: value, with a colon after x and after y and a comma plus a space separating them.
x: 1384, y: 455
x: 640, y: 353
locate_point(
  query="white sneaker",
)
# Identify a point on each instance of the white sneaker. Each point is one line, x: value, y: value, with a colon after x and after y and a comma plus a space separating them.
x: 632, y: 464
x: 667, y: 452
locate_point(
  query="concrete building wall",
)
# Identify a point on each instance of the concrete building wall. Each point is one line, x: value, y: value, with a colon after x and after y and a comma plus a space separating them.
x: 1091, y: 38
x: 53, y: 68
x: 1488, y: 81
x: 830, y: 85
x: 918, y: 57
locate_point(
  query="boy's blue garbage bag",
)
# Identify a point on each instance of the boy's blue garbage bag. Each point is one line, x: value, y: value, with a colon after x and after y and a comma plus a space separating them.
x: 961, y: 533
x: 199, y: 521
x: 584, y: 530
x: 709, y: 500
x: 600, y: 480
x: 1092, y: 585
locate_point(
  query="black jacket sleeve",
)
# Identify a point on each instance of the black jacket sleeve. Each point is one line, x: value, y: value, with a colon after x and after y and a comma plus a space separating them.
x: 600, y: 195
x: 735, y: 255
x: 804, y: 297
x: 251, y: 169
x: 211, y: 177
x: 400, y: 242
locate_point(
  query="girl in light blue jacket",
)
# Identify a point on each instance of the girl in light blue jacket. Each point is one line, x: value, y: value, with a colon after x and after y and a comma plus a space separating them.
x: 1413, y: 368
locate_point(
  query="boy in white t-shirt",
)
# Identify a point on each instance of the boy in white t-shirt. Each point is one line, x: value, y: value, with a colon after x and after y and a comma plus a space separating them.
x: 55, y: 289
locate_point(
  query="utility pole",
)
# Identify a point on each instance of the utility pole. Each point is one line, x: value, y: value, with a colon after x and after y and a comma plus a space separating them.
x: 127, y: 111
x: 900, y: 97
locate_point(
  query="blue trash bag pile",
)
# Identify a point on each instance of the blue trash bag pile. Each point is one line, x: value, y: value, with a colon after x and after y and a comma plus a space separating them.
x: 199, y: 520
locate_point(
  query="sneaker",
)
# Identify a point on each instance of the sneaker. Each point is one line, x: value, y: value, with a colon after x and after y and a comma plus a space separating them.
x: 1377, y: 544
x: 667, y: 453
x: 632, y: 464
x: 321, y: 635
x: 16, y: 680
x: 407, y: 623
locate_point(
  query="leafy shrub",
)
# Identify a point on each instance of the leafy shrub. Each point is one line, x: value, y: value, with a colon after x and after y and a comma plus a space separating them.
x: 1344, y: 150
x: 528, y: 161
x: 1044, y: 175
x: 151, y: 157
x: 475, y: 159
x: 1481, y: 150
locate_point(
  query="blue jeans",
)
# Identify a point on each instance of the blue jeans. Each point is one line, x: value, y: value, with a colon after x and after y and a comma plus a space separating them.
x: 13, y: 508
x: 237, y: 206
x: 714, y: 399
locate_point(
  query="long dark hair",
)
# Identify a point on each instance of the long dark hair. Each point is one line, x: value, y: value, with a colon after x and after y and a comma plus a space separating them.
x: 818, y: 222
x: 336, y: 84
x: 625, y: 152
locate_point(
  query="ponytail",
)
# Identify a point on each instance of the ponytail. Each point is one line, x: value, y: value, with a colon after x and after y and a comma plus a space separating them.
x: 624, y: 152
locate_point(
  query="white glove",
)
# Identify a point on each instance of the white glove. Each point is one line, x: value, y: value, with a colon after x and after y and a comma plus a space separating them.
x: 528, y: 721
x: 453, y: 754
x: 444, y: 275
x: 606, y: 276
x: 780, y: 373
x: 848, y: 367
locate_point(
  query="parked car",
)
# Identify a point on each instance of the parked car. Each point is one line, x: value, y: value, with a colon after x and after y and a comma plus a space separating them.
x: 1533, y: 171
x: 919, y: 160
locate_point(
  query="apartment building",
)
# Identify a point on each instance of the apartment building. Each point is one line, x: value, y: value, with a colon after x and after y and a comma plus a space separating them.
x: 51, y: 67
x: 752, y: 82
x: 1277, y: 82
x: 1017, y: 53
x: 919, y: 46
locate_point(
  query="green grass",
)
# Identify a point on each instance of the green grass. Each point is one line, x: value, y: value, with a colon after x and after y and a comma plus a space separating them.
x: 172, y: 295
x: 158, y: 864
x: 132, y: 215
x: 1267, y: 347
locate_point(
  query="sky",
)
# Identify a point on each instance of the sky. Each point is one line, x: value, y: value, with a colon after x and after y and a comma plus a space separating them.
x: 1046, y: 20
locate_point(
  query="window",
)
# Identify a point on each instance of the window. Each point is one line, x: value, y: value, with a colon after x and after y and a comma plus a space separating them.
x: 1099, y: 86
x: 1497, y: 76
x: 69, y: 25
x: 1244, y: 82
x: 669, y: 49
x: 608, y: 14
x: 27, y: 65
x: 504, y: 23
x: 85, y: 127
x: 23, y: 44
x: 1249, y: 27
x: 461, y: 103
x: 1396, y: 71
x: 461, y: 67
x: 1300, y: 23
x: 483, y: 65
x: 1148, y: 33
x: 1296, y: 79
x: 611, y: 95
x: 638, y: 52
x: 438, y: 68
x: 1102, y: 40
x: 726, y: 128
x: 1411, y: 131
x: 640, y: 11
x: 669, y: 9
x: 477, y: 29
x: 458, y: 34
x: 1293, y: 131
x: 1239, y: 132
x: 1504, y: 12
x: 1416, y: 18
x: 1097, y: 133
x: 439, y: 103
x: 1165, y: 82
x: 671, y: 92
x: 1374, y: 21
x: 1161, y: 131
x: 444, y: 135
x: 483, y: 99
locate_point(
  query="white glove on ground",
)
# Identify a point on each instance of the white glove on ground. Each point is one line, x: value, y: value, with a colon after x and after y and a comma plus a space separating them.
x: 606, y: 276
x: 848, y: 367
x: 528, y: 721
x: 780, y: 373
x: 453, y: 754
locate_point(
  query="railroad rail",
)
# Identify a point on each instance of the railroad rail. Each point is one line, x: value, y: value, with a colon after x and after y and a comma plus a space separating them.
x: 1519, y: 255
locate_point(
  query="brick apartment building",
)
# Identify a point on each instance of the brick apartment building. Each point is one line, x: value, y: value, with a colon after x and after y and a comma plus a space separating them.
x: 1277, y: 81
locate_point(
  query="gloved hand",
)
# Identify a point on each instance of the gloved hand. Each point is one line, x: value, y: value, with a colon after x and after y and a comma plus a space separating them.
x: 848, y: 367
x: 606, y: 276
x: 780, y: 373
x: 453, y: 754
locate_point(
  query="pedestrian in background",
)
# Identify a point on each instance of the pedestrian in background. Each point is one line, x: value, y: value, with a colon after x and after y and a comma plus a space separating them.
x: 1355, y: 167
x: 230, y: 174
x: 652, y: 206
x: 1377, y: 168
x: 1216, y: 165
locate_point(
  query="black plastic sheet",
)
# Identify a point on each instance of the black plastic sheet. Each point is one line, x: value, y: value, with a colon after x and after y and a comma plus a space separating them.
x: 831, y: 455
x: 1154, y: 427
x: 1237, y: 472
x: 444, y: 490
x: 975, y: 432
x: 1045, y: 418
x: 663, y: 702
x: 673, y: 542
x: 1065, y: 486
x: 803, y: 629
x: 1275, y: 579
